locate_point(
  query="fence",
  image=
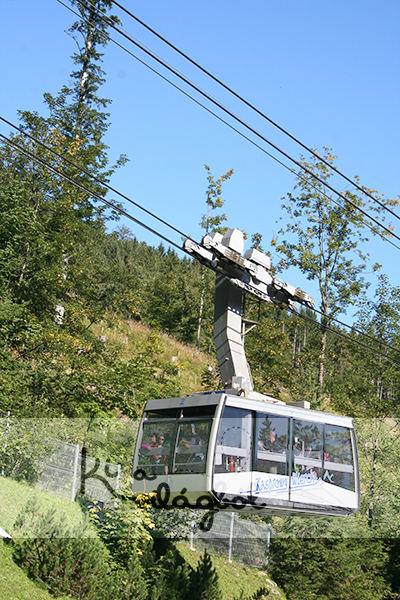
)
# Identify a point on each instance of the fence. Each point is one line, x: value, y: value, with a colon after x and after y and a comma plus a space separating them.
x: 64, y: 470
x: 60, y: 468
x: 69, y: 471
x: 238, y: 539
x: 220, y: 532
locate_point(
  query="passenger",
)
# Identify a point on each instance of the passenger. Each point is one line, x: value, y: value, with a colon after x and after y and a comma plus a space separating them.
x: 153, y: 443
x: 261, y: 446
x: 146, y: 450
x: 189, y: 442
x: 297, y: 448
x: 161, y: 459
x: 154, y: 458
x: 193, y: 439
x: 274, y: 444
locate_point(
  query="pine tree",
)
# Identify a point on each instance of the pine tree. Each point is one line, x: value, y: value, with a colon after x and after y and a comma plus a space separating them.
x: 66, y: 560
x: 204, y: 580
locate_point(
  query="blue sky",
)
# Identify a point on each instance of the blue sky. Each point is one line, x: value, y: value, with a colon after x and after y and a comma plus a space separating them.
x: 328, y: 72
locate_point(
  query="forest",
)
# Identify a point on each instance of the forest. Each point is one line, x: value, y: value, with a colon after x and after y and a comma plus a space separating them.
x: 69, y: 273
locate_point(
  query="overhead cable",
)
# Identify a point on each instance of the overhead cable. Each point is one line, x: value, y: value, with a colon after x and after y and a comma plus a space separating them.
x: 225, y: 109
x: 96, y: 179
x: 255, y: 109
x: 347, y: 337
x: 86, y: 189
x: 358, y: 331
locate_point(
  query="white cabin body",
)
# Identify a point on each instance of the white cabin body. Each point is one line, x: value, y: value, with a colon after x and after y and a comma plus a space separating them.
x: 219, y: 450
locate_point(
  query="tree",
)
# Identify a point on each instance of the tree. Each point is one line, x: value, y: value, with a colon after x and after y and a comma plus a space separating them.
x: 214, y: 202
x: 324, y: 241
x: 204, y: 580
x: 66, y: 560
x: 211, y: 223
x: 52, y: 233
x: 367, y: 385
x: 320, y: 558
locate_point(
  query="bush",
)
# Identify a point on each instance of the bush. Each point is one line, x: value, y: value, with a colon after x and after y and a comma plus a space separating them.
x: 65, y: 560
x: 204, y: 583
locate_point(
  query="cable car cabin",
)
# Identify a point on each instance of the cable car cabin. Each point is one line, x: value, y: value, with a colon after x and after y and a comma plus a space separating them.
x: 220, y: 450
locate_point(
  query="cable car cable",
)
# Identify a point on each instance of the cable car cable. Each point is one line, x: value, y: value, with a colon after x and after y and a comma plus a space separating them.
x: 355, y: 329
x: 227, y: 110
x: 166, y: 65
x: 106, y: 185
x: 85, y: 189
x: 127, y: 215
x: 358, y: 331
x: 255, y: 109
x: 251, y: 141
x: 346, y: 337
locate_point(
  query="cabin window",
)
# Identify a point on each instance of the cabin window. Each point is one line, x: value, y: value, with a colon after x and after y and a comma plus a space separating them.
x: 192, y: 445
x: 162, y: 413
x: 234, y: 442
x: 338, y: 457
x: 307, y: 448
x: 271, y: 440
x: 155, y: 449
x: 174, y: 445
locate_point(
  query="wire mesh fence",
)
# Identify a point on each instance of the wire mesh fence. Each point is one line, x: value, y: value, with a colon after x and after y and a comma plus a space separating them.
x: 65, y: 470
x: 237, y: 539
x: 61, y: 468
x: 69, y: 471
x: 220, y: 532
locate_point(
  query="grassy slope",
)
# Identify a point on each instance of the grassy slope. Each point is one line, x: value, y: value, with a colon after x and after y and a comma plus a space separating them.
x: 234, y: 578
x: 191, y: 363
x: 14, y: 583
x: 14, y: 496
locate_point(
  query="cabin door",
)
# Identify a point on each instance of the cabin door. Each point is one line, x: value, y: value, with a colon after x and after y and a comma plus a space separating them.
x: 232, y: 466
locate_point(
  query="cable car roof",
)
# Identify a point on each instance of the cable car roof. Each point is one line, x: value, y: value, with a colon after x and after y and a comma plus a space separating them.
x: 265, y: 405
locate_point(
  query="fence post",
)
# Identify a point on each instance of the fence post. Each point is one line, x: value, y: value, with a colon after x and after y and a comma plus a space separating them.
x: 231, y: 537
x: 269, y: 529
x: 192, y: 533
x: 117, y: 485
x: 75, y: 477
x: 5, y: 441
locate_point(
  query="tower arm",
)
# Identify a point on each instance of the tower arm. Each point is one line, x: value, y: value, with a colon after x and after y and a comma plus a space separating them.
x: 238, y: 274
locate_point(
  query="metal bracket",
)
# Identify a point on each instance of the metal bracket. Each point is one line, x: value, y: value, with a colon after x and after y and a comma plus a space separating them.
x: 237, y: 274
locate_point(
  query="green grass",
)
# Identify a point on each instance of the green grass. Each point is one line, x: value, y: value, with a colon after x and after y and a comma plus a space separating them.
x: 233, y: 578
x: 14, y: 582
x: 14, y: 496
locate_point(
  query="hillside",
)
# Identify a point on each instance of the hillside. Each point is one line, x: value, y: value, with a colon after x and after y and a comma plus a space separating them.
x: 234, y: 579
x: 171, y: 356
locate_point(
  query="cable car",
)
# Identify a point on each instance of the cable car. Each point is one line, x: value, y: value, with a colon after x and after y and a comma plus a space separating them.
x: 219, y: 450
x: 238, y: 448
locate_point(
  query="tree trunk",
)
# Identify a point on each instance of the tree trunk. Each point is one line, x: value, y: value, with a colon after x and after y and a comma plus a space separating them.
x: 295, y: 361
x: 321, y: 373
